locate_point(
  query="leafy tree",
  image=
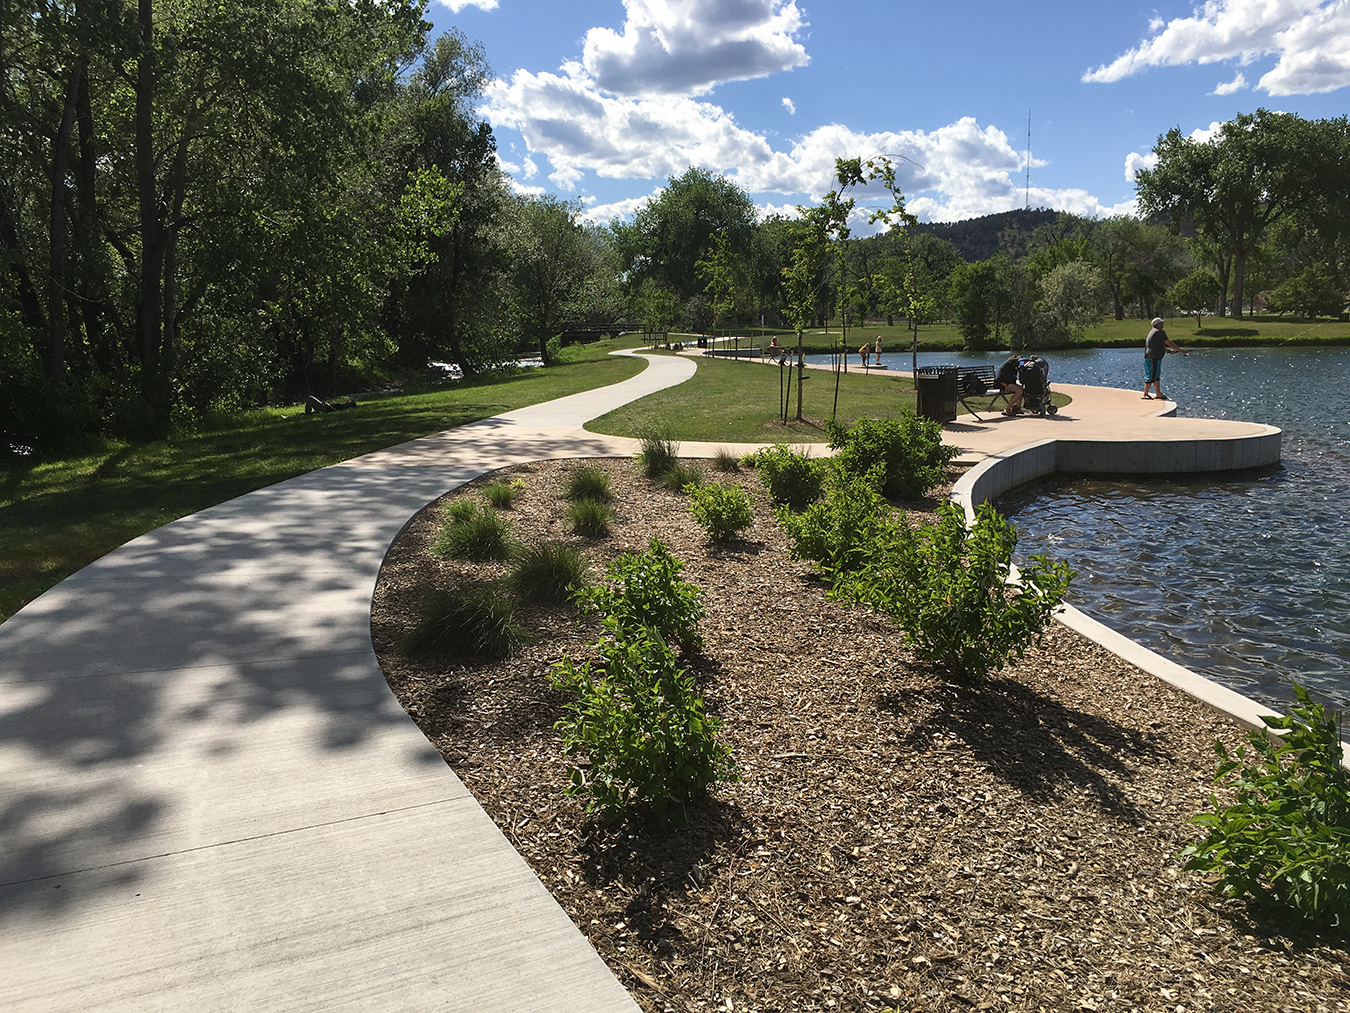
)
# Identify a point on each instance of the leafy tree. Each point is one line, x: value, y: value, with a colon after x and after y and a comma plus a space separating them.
x: 1313, y: 292
x: 1073, y: 298
x: 1257, y: 170
x: 718, y: 271
x: 1196, y: 294
x: 669, y: 236
x: 553, y: 260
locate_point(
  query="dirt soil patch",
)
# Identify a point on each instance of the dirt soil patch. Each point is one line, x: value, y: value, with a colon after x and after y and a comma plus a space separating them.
x: 896, y: 840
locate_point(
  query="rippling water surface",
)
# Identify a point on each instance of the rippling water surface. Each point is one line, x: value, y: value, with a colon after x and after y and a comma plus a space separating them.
x: 1245, y: 579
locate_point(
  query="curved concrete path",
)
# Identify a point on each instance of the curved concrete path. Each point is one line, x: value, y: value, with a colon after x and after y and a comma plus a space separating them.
x: 210, y: 800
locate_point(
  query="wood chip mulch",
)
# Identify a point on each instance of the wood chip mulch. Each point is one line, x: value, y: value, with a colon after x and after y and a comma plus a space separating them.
x: 897, y: 840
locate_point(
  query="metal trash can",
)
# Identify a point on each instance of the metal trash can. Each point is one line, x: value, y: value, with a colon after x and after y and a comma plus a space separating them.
x: 936, y: 390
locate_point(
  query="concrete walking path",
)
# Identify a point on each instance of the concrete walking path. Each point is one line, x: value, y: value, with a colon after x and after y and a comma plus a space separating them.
x: 210, y: 799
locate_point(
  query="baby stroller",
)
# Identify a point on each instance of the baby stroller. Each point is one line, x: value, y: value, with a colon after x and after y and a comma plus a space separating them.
x: 1033, y: 373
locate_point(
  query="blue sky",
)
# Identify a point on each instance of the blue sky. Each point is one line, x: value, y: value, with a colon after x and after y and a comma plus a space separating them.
x: 600, y: 101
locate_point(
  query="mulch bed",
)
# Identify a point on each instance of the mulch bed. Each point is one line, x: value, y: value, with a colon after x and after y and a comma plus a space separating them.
x: 897, y: 839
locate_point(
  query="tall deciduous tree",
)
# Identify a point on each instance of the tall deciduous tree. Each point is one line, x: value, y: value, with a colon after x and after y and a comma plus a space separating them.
x: 1259, y: 168
x: 553, y: 259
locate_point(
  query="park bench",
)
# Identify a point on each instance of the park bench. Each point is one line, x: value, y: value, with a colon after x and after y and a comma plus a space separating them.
x: 971, y: 381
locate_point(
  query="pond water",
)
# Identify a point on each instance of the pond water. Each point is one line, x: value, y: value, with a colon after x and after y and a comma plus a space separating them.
x: 1243, y: 578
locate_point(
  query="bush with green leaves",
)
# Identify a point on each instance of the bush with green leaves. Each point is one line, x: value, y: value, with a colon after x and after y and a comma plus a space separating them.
x: 476, y: 622
x: 502, y: 495
x: 722, y: 510
x: 639, y: 719
x: 1285, y: 839
x: 475, y: 533
x: 646, y: 591
x: 840, y: 533
x: 946, y: 586
x: 789, y: 475
x: 548, y: 573
x: 589, y: 518
x: 588, y: 482
x: 909, y: 449
x: 658, y: 454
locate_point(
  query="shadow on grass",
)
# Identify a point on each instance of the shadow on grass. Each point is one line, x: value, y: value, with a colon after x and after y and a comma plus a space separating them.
x: 1031, y: 742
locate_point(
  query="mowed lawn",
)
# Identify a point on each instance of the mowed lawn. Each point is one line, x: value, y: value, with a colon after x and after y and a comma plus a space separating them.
x: 57, y: 516
x: 737, y: 402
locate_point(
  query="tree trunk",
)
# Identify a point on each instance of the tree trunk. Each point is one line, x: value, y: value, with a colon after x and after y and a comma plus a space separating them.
x: 1239, y: 267
x: 30, y: 304
x: 150, y: 317
x: 58, y: 230
x: 801, y: 368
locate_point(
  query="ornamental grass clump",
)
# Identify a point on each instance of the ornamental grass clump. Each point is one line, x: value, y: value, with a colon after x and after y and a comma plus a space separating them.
x: 475, y: 622
x: 548, y: 573
x: 909, y: 449
x: 503, y: 495
x: 588, y: 482
x: 589, y: 518
x: 640, y: 721
x: 682, y: 476
x: 790, y: 476
x: 1285, y: 839
x: 475, y: 533
x: 723, y: 511
x: 645, y: 590
x: 658, y: 455
x: 947, y: 588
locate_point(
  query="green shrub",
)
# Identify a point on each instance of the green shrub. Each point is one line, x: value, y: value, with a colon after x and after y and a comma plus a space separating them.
x: 548, y: 573
x: 945, y: 586
x: 467, y: 623
x: 588, y: 482
x: 1286, y: 837
x: 682, y: 476
x: 503, y: 494
x: 723, y: 511
x: 474, y: 533
x: 841, y: 532
x: 589, y: 518
x: 909, y: 448
x: 725, y: 460
x: 789, y: 475
x: 644, y: 727
x: 647, y: 591
x: 658, y: 454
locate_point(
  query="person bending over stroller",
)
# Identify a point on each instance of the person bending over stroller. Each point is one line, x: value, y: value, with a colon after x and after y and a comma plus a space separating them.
x: 1006, y: 377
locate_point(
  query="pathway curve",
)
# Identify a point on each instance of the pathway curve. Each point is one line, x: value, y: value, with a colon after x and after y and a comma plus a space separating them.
x: 209, y: 798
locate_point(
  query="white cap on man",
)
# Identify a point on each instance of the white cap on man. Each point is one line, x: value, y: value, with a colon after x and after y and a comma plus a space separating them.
x: 1157, y: 321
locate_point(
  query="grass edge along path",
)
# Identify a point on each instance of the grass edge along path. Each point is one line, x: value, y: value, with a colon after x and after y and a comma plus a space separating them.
x: 59, y: 515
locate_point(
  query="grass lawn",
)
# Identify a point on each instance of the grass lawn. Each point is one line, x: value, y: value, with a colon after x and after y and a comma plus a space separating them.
x: 57, y: 516
x: 736, y: 402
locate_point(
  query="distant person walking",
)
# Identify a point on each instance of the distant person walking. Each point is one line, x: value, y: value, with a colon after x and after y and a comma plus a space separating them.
x: 1157, y: 345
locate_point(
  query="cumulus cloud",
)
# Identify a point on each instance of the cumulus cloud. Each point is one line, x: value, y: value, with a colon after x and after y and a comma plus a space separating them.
x: 1310, y: 37
x: 1134, y: 161
x: 790, y: 106
x: 1238, y: 83
x: 688, y: 47
x: 625, y: 209
x: 458, y: 5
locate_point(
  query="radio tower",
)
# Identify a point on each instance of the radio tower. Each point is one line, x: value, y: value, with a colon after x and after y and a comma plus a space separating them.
x: 1027, y: 198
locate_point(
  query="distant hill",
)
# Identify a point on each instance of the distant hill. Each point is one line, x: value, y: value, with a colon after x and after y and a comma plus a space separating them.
x: 981, y: 238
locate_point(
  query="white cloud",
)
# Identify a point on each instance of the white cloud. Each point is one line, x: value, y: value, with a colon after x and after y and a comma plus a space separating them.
x: 1238, y: 83
x: 566, y: 177
x: 688, y: 47
x: 531, y: 168
x: 1310, y: 37
x: 523, y: 190
x: 1202, y: 135
x: 1134, y: 161
x: 601, y: 213
x: 790, y: 106
x: 458, y: 5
